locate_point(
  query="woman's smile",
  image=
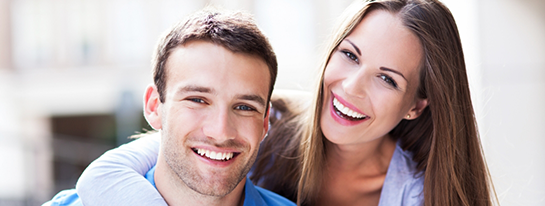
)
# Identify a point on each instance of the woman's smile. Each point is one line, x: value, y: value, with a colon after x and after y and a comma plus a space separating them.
x: 344, y: 113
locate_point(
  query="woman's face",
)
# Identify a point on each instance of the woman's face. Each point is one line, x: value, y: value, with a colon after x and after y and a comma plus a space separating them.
x: 371, y: 80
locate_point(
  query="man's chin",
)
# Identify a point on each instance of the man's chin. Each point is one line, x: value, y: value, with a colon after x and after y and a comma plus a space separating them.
x: 214, y: 186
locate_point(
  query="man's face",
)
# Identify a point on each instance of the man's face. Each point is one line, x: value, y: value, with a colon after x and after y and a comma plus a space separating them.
x: 213, y: 117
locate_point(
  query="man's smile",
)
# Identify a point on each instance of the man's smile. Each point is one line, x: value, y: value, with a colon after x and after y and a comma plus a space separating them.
x: 214, y: 155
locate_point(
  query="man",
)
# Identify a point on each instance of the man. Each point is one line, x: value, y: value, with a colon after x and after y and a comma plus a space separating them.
x: 213, y: 78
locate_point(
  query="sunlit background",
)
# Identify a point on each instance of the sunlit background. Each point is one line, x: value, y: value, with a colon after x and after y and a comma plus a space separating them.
x: 72, y: 75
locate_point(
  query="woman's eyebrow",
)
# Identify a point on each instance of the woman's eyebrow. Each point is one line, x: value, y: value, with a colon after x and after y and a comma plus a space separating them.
x: 355, y: 47
x: 394, y: 71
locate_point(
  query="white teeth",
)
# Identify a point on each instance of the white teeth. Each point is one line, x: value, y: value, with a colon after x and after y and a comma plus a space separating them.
x: 346, y: 111
x: 212, y: 155
x: 215, y: 155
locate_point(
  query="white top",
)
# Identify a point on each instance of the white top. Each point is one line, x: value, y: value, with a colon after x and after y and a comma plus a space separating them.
x: 402, y: 186
x: 117, y: 177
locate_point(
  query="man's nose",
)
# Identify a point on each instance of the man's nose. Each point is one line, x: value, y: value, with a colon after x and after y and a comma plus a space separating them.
x: 220, y: 125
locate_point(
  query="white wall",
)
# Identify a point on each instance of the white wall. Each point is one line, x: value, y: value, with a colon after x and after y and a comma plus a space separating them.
x: 504, y: 45
x: 512, y: 41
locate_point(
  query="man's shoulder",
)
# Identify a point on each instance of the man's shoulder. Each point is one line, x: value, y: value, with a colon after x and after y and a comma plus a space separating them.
x: 65, y: 198
x: 255, y: 195
x: 272, y: 198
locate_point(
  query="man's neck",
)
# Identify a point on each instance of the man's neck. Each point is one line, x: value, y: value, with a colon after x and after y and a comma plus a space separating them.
x: 176, y: 192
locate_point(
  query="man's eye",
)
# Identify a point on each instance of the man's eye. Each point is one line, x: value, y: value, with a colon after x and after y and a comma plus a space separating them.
x: 245, y: 108
x: 197, y: 100
x: 351, y: 56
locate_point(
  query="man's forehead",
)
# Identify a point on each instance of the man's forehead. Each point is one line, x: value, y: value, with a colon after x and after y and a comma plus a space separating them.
x: 205, y: 65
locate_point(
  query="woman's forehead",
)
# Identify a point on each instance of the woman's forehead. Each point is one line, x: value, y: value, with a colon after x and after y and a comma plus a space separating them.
x: 383, y: 39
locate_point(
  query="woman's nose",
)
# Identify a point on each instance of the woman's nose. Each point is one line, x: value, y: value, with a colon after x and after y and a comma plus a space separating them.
x: 354, y: 83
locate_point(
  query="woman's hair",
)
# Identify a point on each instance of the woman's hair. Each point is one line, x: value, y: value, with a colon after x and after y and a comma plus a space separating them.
x: 278, y: 164
x: 444, y: 139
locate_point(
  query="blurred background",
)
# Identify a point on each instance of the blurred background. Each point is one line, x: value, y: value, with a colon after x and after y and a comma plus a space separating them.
x: 72, y: 75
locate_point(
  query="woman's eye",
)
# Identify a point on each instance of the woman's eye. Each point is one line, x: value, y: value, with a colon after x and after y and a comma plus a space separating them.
x: 245, y: 108
x: 351, y: 56
x: 388, y: 80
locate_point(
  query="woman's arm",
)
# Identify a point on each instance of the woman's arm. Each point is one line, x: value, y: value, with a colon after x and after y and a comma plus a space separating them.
x: 117, y: 177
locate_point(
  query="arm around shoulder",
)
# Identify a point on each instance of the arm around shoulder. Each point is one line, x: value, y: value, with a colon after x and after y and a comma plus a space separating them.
x: 117, y: 177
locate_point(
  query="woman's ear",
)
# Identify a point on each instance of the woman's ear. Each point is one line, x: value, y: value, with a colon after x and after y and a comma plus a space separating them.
x: 152, y: 106
x: 417, y: 109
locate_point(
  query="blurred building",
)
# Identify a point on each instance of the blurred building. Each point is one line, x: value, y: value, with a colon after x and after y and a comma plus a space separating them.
x: 72, y: 73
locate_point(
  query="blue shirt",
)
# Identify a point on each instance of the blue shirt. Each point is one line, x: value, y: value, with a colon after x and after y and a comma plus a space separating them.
x: 254, y: 196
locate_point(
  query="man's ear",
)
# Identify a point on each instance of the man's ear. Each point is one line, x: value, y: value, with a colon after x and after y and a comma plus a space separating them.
x: 266, y: 123
x: 152, y: 107
x: 417, y: 109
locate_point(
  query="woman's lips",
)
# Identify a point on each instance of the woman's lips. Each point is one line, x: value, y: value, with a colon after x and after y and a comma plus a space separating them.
x: 344, y: 113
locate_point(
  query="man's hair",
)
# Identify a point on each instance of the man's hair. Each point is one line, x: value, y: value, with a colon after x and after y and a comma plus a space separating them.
x: 235, y: 31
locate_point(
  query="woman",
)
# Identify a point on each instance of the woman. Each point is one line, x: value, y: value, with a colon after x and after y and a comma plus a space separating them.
x: 391, y: 122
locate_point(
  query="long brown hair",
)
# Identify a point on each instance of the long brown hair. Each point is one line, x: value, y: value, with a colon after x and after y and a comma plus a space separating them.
x: 278, y: 165
x: 443, y: 139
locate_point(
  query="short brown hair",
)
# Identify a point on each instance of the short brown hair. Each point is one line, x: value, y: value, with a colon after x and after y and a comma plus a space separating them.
x: 236, y: 31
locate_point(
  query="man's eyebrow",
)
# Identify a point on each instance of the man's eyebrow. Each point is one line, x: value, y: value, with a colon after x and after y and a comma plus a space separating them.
x: 201, y: 89
x: 252, y: 97
x: 394, y: 71
x: 355, y: 47
x: 194, y: 88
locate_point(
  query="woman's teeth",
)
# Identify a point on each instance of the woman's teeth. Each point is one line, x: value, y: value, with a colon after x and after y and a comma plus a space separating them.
x: 346, y: 111
x: 215, y: 155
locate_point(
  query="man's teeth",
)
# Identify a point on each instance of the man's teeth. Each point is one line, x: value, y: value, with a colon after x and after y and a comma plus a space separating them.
x: 346, y: 111
x: 215, y: 155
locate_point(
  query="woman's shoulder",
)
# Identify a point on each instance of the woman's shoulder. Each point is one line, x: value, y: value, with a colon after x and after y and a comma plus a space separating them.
x: 292, y: 101
x: 403, y: 162
x: 286, y: 108
x: 403, y: 184
x: 291, y: 94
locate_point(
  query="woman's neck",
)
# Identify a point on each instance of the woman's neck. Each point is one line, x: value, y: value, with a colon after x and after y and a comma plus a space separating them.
x: 368, y: 158
x: 355, y: 174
